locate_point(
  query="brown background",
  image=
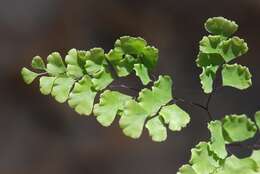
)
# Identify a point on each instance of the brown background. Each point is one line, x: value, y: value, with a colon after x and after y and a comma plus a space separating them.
x: 38, y: 135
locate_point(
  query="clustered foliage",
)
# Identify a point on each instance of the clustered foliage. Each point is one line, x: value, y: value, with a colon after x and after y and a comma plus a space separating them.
x: 85, y: 76
x: 218, y: 51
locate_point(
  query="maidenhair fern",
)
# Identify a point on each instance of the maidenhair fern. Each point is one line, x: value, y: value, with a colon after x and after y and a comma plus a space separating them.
x: 84, y: 79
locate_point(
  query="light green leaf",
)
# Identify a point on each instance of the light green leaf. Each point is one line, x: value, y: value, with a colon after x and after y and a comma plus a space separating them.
x: 207, y: 78
x: 46, y: 84
x: 221, y: 26
x: 233, y: 48
x: 110, y: 103
x: 125, y: 66
x: 202, y: 160
x: 75, y: 64
x: 156, y: 129
x: 37, y: 63
x: 131, y: 45
x: 129, y: 51
x: 150, y: 57
x: 28, y: 76
x: 186, y: 169
x: 82, y: 57
x: 227, y: 49
x: 149, y: 103
x: 175, y: 117
x: 132, y: 119
x: 82, y: 96
x: 95, y: 61
x: 115, y: 55
x: 205, y: 60
x: 142, y: 72
x: 138, y: 48
x: 93, y: 68
x: 55, y: 65
x: 238, y: 128
x: 61, y: 88
x: 256, y: 157
x: 257, y: 119
x: 161, y: 94
x: 96, y: 65
x: 233, y: 165
x: 102, y: 79
x: 217, y: 144
x: 209, y: 44
x: 236, y: 76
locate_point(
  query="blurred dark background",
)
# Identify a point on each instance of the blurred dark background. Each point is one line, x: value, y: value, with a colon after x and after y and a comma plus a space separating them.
x: 38, y: 135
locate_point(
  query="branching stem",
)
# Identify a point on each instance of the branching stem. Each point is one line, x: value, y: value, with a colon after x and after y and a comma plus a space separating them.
x: 124, y: 87
x: 249, y: 147
x: 205, y: 107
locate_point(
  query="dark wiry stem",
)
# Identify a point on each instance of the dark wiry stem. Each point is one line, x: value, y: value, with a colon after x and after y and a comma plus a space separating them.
x: 190, y: 103
x: 208, y: 104
x: 124, y: 87
x: 205, y: 108
x: 249, y: 147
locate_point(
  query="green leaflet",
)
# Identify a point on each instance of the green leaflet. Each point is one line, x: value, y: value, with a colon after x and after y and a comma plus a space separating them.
x: 175, y: 117
x: 75, y: 64
x: 61, y: 88
x: 129, y: 51
x: 132, y: 119
x: 150, y: 57
x: 111, y: 102
x: 91, y: 62
x: 149, y: 103
x: 212, y: 59
x: 202, y: 160
x: 186, y: 169
x: 156, y: 129
x: 233, y: 165
x: 172, y: 115
x: 102, y: 79
x: 95, y: 61
x: 227, y: 49
x: 55, y: 65
x: 236, y: 76
x: 217, y: 144
x: 221, y: 26
x: 122, y: 61
x: 142, y: 73
x: 123, y: 66
x: 37, y: 63
x: 161, y: 94
x: 115, y: 55
x: 207, y: 78
x: 131, y: 45
x: 46, y: 84
x: 28, y: 76
x: 256, y: 157
x: 238, y: 128
x: 82, y: 96
x: 257, y: 119
x: 210, y: 44
x: 233, y: 48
